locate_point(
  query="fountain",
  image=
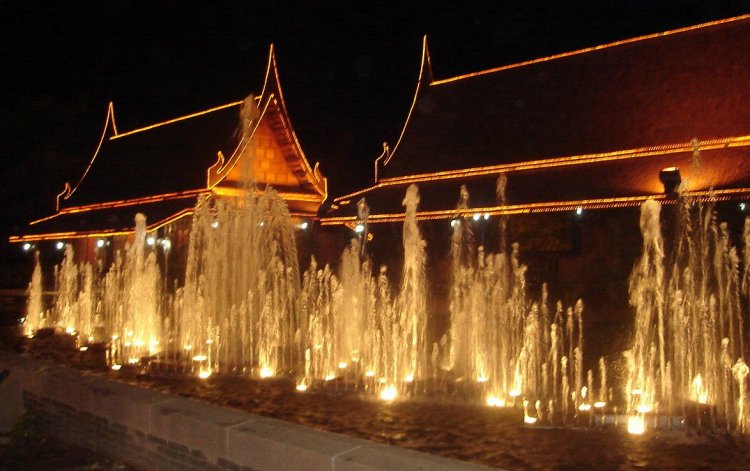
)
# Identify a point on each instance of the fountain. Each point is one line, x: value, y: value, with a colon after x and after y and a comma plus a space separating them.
x: 688, y: 325
x: 245, y: 309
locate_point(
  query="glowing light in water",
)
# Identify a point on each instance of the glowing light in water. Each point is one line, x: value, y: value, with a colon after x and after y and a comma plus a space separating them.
x: 204, y: 374
x: 599, y: 404
x: 370, y: 374
x: 343, y: 365
x: 116, y: 367
x: 585, y: 407
x: 266, y: 372
x: 83, y: 349
x: 200, y: 358
x: 389, y: 393
x: 494, y: 401
x: 636, y: 425
x: 409, y: 378
x: 527, y: 419
x: 302, y: 387
x: 482, y: 379
x: 643, y: 409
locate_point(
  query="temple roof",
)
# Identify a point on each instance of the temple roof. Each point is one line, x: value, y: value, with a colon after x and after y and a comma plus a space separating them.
x: 202, y: 152
x: 104, y: 221
x: 659, y: 89
x: 720, y: 174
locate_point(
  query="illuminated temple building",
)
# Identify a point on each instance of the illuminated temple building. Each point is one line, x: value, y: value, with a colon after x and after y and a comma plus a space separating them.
x: 162, y: 169
x: 583, y: 139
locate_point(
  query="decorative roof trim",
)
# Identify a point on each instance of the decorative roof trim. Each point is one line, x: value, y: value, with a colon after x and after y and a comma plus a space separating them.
x: 425, y: 76
x: 319, y: 182
x: 543, y: 207
x: 592, y: 49
x: 122, y: 204
x: 217, y: 172
x: 175, y: 120
x: 651, y: 151
x: 109, y: 123
x: 100, y: 233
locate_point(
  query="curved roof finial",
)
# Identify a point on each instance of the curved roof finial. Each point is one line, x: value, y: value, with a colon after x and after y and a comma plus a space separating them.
x: 426, y: 71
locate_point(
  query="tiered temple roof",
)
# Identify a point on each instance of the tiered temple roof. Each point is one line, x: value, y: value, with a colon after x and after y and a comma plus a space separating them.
x: 589, y: 128
x: 161, y: 169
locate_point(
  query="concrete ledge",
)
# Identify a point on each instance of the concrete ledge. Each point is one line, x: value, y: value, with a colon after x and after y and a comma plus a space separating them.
x: 161, y: 432
x: 271, y: 444
x: 197, y: 425
x: 128, y: 405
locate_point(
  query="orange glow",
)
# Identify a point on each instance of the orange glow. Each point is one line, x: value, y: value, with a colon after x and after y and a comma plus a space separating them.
x: 175, y: 120
x: 99, y: 233
x: 219, y: 170
x: 123, y: 203
x: 287, y: 196
x: 591, y: 49
x: 651, y: 151
x: 543, y: 207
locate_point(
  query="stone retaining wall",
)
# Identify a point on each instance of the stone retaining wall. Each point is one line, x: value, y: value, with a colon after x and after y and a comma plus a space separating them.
x: 155, y: 431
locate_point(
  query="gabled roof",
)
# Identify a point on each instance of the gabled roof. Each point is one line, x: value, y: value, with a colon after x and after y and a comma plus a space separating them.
x: 180, y: 158
x: 176, y: 155
x: 654, y: 90
x: 589, y: 129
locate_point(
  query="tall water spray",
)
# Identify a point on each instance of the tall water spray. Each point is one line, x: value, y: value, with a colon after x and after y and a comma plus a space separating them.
x: 131, y: 299
x: 511, y: 345
x: 238, y: 309
x: 688, y: 329
x: 35, y: 317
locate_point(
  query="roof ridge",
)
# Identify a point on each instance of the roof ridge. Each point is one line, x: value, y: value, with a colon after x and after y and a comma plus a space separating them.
x: 175, y: 120
x: 609, y: 45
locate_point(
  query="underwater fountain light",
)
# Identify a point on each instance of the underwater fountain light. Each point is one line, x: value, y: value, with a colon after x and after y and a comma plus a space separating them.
x: 204, y: 374
x: 215, y: 225
x: 494, y: 401
x: 99, y: 243
x: 636, y: 425
x: 343, y: 365
x: 302, y: 387
x: 482, y: 379
x: 200, y: 358
x: 486, y: 216
x: 60, y: 245
x: 579, y: 211
x: 304, y: 225
x: 409, y: 378
x: 266, y: 372
x: 359, y: 228
x: 83, y: 349
x: 116, y: 367
x: 26, y: 247
x: 476, y: 216
x: 455, y: 222
x: 370, y: 374
x: 150, y: 241
x: 742, y: 206
x: 670, y: 178
x: 389, y: 393
x: 599, y: 404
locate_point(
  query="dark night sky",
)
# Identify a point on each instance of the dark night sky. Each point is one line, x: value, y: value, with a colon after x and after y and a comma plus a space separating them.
x: 348, y: 71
